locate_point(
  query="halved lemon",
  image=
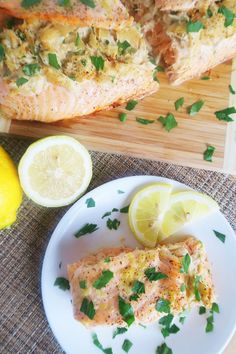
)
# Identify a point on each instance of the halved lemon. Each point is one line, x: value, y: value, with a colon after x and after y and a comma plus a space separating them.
x: 146, y: 212
x: 185, y: 207
x: 55, y: 171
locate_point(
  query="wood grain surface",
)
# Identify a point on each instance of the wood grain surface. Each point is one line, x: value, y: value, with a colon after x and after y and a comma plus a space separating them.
x: 183, y: 145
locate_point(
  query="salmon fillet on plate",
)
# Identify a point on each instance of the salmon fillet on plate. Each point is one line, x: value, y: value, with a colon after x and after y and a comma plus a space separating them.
x: 120, y: 286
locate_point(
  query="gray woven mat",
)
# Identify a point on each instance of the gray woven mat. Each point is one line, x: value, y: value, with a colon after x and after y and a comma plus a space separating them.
x: 24, y: 328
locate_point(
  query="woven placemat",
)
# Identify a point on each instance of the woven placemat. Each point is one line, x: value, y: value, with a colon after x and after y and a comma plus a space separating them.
x: 24, y: 328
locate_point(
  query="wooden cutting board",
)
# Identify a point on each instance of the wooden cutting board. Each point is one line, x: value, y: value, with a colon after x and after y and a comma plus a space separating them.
x: 183, y: 145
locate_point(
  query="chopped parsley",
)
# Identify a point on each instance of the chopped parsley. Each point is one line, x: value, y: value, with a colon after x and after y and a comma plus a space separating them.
x: 209, y: 13
x: 208, y: 153
x: 126, y: 311
x: 144, y: 121
x: 169, y: 122
x: 113, y: 224
x: 87, y: 308
x: 118, y: 331
x: 163, y: 349
x: 86, y: 229
x: 202, y: 310
x: 224, y: 114
x: 126, y: 346
x: 82, y: 284
x: 103, y: 280
x: 64, y: 3
x: 123, y: 117
x: 89, y: 3
x: 21, y: 81
x: 26, y: 4
x: 160, y: 69
x: 167, y: 329
x: 210, y: 324
x: 62, y: 283
x: 182, y: 287
x: 163, y: 305
x: 30, y: 69
x: 99, y: 345
x: 220, y: 236
x: 2, y: 52
x: 138, y: 287
x: 53, y: 61
x: 195, y: 107
x: 134, y: 297
x: 122, y: 46
x: 114, y: 209
x: 125, y: 209
x: 179, y: 103
x: 205, y: 78
x: 131, y: 105
x: 120, y: 191
x: 228, y: 14
x: 215, y: 308
x: 77, y: 40
x: 166, y: 320
x: 90, y: 203
x: 196, y: 282
x: 152, y: 275
x: 98, y: 62
x: 231, y: 90
x: 194, y: 26
x: 107, y: 260
x: 182, y: 319
x: 108, y: 213
x: 186, y: 260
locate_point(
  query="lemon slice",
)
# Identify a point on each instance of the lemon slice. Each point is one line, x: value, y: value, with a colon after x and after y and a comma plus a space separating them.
x: 185, y: 207
x: 55, y: 171
x: 146, y: 212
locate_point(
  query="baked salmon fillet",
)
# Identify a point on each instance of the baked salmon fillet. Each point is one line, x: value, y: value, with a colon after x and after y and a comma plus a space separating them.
x: 189, y: 42
x: 52, y: 71
x: 120, y: 286
x: 100, y: 13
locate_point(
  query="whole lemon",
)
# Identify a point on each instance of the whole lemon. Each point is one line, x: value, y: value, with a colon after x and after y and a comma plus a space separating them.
x: 10, y: 190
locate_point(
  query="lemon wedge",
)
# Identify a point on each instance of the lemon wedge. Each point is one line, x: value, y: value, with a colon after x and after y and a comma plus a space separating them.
x: 146, y: 212
x: 55, y: 171
x: 10, y: 190
x: 185, y: 207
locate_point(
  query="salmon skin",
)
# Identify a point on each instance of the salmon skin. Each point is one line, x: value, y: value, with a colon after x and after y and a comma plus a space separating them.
x: 128, y: 266
x: 105, y: 14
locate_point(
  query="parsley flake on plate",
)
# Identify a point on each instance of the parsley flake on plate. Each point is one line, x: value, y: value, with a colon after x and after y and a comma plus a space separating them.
x: 186, y: 260
x: 125, y: 209
x: 195, y: 107
x: 113, y: 224
x: 169, y: 122
x: 166, y: 320
x: 126, y: 346
x: 82, y: 284
x: 202, y: 310
x: 118, y: 331
x: 163, y: 305
x: 86, y: 229
x: 89, y: 3
x: 90, y: 203
x: 62, y: 283
x: 21, y: 81
x: 208, y: 153
x: 194, y: 26
x: 31, y: 69
x: 220, y: 236
x: 179, y: 103
x: 163, y: 349
x: 131, y: 105
x: 123, y: 117
x: 224, y: 114
x: 108, y: 213
x: 98, y: 62
x: 126, y: 311
x: 144, y: 121
x: 87, y: 308
x: 103, y: 280
x: 228, y: 14
x: 215, y: 308
x: 210, y: 324
x: 152, y: 275
x: 2, y: 52
x: 26, y: 4
x: 231, y: 90
x: 120, y: 191
x: 182, y: 319
x: 53, y: 61
x: 97, y: 343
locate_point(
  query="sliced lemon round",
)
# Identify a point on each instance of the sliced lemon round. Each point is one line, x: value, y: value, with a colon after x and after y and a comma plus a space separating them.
x: 185, y: 207
x: 55, y: 171
x: 146, y: 212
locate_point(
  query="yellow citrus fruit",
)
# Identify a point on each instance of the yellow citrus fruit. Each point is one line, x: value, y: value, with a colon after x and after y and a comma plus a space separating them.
x: 55, y: 171
x: 185, y: 207
x: 146, y: 212
x: 10, y: 190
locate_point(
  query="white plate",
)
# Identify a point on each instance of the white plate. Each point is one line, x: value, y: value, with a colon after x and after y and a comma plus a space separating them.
x: 64, y: 248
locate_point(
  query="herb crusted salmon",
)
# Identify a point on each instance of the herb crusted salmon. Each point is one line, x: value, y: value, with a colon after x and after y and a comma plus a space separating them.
x: 120, y: 286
